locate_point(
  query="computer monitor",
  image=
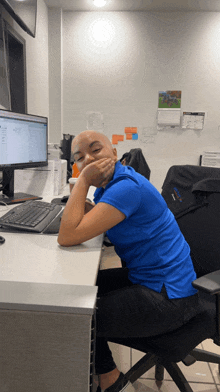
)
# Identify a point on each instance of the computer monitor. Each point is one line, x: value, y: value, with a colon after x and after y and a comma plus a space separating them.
x: 23, y: 144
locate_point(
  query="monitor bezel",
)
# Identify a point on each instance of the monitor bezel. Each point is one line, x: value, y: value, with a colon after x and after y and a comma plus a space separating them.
x: 28, y: 117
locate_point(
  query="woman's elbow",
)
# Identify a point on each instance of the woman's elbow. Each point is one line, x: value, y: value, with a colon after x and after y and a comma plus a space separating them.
x: 61, y: 242
x: 66, y: 242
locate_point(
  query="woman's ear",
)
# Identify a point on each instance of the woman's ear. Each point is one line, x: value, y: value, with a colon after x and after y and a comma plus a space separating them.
x: 115, y: 154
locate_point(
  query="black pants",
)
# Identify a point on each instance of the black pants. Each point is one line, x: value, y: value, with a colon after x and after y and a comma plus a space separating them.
x: 127, y: 311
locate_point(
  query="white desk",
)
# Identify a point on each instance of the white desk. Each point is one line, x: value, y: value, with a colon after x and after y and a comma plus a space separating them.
x: 47, y: 302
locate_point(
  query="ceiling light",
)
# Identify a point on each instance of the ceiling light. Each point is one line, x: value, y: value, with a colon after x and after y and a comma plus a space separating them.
x: 99, y: 3
x: 102, y: 32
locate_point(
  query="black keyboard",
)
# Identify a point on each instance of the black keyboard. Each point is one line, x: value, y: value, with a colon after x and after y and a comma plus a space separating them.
x: 31, y: 216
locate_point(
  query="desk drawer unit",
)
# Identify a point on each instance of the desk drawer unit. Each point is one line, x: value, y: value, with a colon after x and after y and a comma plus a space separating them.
x: 47, y: 348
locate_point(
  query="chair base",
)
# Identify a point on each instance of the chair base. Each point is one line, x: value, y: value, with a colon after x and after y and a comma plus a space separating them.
x: 150, y: 360
x: 159, y: 372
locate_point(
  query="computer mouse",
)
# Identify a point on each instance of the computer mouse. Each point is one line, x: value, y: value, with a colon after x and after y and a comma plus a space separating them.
x: 65, y: 199
x: 2, y: 240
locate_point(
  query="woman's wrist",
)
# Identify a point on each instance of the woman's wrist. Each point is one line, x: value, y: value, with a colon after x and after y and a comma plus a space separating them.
x: 80, y: 190
x: 83, y: 179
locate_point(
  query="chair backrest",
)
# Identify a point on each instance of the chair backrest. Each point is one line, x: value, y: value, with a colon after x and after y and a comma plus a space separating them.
x: 185, y: 187
x: 136, y: 159
x: 193, y: 195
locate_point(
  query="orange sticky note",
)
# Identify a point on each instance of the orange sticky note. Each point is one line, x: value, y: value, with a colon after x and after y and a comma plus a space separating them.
x: 75, y: 171
x: 114, y: 139
x: 128, y: 136
x: 133, y: 129
x: 128, y: 130
x: 120, y: 138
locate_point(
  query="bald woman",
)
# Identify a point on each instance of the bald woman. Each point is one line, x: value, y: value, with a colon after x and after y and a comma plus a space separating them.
x: 154, y: 293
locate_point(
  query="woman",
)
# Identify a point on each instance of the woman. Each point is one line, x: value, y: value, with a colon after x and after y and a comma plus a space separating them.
x: 154, y: 293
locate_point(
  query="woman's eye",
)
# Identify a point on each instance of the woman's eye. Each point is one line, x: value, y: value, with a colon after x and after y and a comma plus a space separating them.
x: 79, y: 159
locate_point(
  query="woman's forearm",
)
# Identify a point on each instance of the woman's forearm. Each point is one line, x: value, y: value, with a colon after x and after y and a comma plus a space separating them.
x: 75, y: 208
x: 97, y: 173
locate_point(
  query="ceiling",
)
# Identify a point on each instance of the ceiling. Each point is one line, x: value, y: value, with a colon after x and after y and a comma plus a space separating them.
x: 137, y: 5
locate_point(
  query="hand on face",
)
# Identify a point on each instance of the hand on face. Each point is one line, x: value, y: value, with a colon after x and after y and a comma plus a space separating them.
x: 99, y: 173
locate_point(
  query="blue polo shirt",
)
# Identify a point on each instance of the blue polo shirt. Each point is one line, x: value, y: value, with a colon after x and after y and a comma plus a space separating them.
x: 148, y: 239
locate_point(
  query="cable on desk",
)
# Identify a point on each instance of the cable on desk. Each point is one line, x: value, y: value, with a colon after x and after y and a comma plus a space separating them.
x: 4, y: 204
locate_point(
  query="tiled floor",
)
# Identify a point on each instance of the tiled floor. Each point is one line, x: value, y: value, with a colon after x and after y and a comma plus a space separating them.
x: 202, y: 377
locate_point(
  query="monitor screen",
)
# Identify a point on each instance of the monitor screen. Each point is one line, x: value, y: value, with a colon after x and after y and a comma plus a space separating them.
x: 23, y: 140
x: 24, y: 12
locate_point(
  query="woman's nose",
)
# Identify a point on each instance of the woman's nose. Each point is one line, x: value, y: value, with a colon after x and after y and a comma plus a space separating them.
x: 89, y: 158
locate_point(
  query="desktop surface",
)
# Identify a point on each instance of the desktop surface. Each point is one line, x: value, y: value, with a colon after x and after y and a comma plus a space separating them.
x: 38, y: 258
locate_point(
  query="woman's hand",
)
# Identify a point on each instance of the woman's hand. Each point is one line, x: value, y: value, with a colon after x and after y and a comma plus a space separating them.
x: 99, y: 173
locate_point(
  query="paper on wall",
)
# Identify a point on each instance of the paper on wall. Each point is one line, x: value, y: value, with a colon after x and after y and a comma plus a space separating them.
x: 193, y: 120
x: 95, y: 121
x: 148, y: 135
x: 168, y: 117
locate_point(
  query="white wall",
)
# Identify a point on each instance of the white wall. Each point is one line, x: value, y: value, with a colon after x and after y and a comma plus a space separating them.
x: 55, y: 74
x: 142, y: 53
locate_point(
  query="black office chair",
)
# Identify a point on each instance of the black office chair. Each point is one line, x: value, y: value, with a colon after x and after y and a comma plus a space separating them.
x: 193, y: 195
x: 136, y: 159
x: 167, y: 349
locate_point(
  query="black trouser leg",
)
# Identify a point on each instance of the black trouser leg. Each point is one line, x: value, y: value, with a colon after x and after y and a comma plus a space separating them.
x: 107, y: 281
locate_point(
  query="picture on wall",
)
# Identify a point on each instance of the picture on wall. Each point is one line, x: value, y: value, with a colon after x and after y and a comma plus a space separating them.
x: 169, y: 99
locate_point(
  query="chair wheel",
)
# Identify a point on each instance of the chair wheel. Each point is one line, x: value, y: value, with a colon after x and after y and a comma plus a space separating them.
x: 159, y: 373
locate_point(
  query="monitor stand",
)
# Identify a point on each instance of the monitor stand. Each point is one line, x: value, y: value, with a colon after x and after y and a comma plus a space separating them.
x: 8, y: 196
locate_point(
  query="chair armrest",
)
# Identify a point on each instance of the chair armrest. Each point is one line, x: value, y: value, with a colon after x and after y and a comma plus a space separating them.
x: 209, y: 283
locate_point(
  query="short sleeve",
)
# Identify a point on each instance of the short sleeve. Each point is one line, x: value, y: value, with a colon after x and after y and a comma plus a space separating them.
x: 123, y: 194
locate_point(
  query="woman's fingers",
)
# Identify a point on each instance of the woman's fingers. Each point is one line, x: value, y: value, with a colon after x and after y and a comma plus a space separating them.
x: 99, y: 171
x: 108, y: 173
